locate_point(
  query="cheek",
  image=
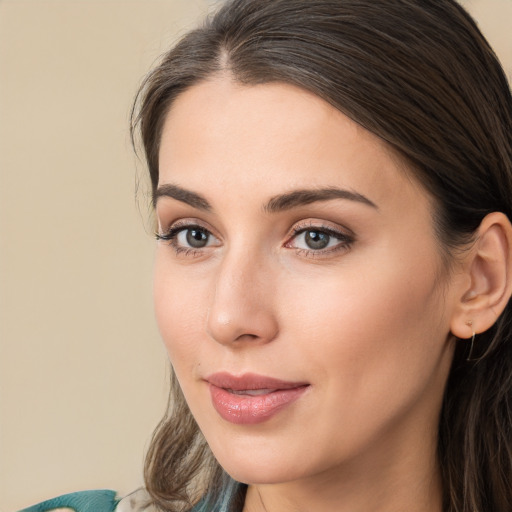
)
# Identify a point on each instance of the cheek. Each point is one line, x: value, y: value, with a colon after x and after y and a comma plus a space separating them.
x: 372, y: 344
x: 180, y: 310
x: 375, y: 324
x: 360, y: 301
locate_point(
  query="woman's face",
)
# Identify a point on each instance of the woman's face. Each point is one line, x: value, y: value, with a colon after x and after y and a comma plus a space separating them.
x: 299, y: 287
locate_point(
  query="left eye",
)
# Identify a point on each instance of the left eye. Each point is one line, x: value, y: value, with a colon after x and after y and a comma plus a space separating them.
x: 317, y: 239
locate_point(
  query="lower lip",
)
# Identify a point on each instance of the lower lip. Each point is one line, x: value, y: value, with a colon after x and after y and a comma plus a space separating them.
x: 250, y: 410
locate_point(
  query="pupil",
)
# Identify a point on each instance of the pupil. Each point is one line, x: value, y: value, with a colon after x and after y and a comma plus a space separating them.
x: 196, y: 238
x: 317, y: 240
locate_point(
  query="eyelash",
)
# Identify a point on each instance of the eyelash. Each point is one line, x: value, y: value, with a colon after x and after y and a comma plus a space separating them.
x: 345, y: 240
x: 172, y: 234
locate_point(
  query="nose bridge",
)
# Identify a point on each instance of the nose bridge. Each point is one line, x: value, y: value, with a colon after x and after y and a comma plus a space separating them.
x: 242, y: 306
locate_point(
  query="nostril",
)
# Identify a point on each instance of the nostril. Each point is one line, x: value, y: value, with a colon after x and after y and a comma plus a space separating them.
x: 241, y: 326
x: 249, y: 337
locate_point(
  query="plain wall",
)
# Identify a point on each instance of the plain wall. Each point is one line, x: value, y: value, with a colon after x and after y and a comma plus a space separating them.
x: 83, y: 376
x: 82, y: 371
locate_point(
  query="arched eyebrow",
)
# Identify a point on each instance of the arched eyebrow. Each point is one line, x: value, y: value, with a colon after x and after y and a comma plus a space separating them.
x: 307, y: 196
x: 180, y: 194
x: 276, y: 204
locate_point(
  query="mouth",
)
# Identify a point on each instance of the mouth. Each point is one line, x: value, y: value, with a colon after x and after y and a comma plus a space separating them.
x: 251, y: 392
x: 250, y: 399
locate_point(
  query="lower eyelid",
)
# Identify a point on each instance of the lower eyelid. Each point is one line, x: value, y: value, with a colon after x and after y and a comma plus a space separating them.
x: 342, y: 247
x: 187, y: 251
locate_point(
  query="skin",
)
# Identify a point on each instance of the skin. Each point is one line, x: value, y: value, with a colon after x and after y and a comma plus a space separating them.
x: 365, y: 322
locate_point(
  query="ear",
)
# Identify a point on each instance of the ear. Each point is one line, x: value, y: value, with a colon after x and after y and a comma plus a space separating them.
x: 487, y: 285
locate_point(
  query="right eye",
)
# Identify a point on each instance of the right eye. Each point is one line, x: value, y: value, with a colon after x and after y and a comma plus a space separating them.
x: 193, y: 237
x: 188, y: 238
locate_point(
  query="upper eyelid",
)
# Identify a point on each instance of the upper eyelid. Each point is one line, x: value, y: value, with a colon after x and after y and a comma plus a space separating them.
x: 324, y: 229
x: 185, y: 223
x: 322, y: 226
x: 174, y: 231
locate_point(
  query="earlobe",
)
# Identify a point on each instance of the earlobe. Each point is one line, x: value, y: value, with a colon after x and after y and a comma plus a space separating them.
x: 489, y: 269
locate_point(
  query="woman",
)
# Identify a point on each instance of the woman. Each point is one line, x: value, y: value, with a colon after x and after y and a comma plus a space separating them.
x: 332, y: 185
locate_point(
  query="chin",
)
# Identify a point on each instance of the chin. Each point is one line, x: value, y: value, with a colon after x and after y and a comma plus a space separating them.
x: 253, y: 474
x: 259, y: 465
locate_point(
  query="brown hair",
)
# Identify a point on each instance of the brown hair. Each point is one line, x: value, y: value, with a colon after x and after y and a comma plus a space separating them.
x: 420, y: 75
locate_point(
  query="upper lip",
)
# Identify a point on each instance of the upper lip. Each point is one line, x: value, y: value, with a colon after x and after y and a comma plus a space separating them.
x: 250, y: 381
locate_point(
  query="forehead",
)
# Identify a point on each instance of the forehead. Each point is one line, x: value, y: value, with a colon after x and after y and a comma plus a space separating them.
x: 220, y: 135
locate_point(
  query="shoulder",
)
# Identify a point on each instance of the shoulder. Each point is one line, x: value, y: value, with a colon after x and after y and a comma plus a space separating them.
x: 95, y: 501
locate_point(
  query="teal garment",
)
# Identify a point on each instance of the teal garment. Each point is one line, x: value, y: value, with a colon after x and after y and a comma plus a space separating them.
x: 84, y: 501
x: 229, y: 500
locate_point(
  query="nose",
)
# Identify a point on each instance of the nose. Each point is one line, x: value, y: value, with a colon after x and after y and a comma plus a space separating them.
x: 242, y: 305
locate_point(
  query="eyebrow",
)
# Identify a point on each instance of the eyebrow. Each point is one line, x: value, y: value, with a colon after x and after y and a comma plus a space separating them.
x: 276, y: 204
x: 183, y: 195
x: 307, y: 196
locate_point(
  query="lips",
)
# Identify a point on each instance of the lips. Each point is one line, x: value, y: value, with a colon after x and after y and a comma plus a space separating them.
x: 250, y: 399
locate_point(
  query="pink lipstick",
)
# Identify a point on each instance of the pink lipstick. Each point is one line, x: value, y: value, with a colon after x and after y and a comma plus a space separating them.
x: 249, y: 398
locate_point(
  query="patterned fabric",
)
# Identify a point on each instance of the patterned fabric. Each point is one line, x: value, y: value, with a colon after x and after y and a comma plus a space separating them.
x: 95, y: 501
x: 85, y: 501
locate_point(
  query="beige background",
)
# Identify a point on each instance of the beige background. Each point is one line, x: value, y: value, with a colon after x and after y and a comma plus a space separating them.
x: 82, y: 372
